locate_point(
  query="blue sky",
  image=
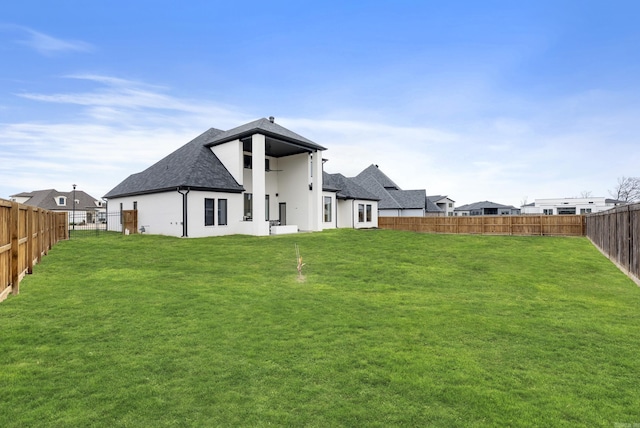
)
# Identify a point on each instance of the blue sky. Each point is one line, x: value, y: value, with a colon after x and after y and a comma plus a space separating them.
x: 495, y: 100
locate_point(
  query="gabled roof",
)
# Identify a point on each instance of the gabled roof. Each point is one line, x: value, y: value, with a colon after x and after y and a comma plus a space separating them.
x: 372, y: 172
x: 345, y: 187
x: 48, y: 199
x: 436, y: 198
x: 431, y: 207
x: 389, y: 193
x: 386, y: 201
x: 267, y: 128
x: 482, y: 205
x: 192, y: 166
x: 410, y: 199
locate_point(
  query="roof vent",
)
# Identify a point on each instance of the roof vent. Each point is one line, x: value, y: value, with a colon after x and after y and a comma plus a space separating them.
x: 272, y: 119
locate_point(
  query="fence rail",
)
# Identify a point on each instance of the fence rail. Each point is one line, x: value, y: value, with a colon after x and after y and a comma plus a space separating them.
x: 616, y: 233
x: 557, y: 225
x: 26, y: 234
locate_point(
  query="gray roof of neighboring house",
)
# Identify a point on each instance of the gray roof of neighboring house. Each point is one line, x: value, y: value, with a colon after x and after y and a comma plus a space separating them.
x: 391, y: 196
x: 372, y: 172
x: 47, y: 199
x: 345, y: 187
x: 481, y: 205
x: 436, y: 198
x: 432, y: 207
x: 267, y: 128
x: 409, y: 199
x: 192, y: 166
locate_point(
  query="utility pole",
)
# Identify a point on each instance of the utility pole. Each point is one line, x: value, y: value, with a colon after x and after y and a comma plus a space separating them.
x: 73, y: 221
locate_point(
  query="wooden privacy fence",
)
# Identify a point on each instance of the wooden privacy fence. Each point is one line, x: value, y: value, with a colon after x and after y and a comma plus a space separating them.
x: 26, y: 234
x: 556, y: 225
x: 616, y: 233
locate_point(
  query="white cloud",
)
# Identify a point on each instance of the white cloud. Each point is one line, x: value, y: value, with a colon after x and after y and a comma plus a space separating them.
x: 123, y: 126
x: 46, y: 44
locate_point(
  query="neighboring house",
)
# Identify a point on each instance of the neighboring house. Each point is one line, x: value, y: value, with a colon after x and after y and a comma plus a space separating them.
x: 257, y: 179
x: 355, y: 207
x: 393, y: 201
x: 486, y: 208
x: 560, y: 206
x: 86, y: 209
x: 446, y: 204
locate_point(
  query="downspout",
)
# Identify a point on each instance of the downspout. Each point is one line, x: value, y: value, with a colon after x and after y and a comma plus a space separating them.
x: 184, y: 212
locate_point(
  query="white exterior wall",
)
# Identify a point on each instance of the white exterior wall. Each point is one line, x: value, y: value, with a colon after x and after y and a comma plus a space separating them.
x: 401, y: 213
x: 315, y: 196
x: 374, y: 214
x: 348, y: 214
x: 334, y: 211
x: 390, y: 213
x: 230, y: 154
x: 293, y: 188
x: 235, y: 223
x: 161, y: 214
x: 258, y: 185
x: 444, y: 204
x: 530, y: 209
x: 271, y: 186
x: 413, y: 213
x: 597, y: 204
x: 21, y: 199
x: 345, y: 210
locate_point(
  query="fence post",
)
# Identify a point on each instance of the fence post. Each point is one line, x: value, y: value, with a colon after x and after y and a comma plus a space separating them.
x: 15, y: 247
x: 629, y: 240
x: 30, y: 245
x: 40, y: 235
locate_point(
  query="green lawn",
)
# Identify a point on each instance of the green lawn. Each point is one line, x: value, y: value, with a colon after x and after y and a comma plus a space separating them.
x: 386, y: 328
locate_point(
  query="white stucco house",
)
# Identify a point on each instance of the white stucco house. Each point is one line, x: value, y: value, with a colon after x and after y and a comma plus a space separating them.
x: 257, y: 179
x: 356, y: 208
x: 445, y: 203
x: 560, y: 206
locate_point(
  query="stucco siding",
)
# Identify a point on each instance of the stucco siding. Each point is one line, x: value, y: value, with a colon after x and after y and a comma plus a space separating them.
x: 230, y: 154
x: 334, y: 211
x: 293, y: 188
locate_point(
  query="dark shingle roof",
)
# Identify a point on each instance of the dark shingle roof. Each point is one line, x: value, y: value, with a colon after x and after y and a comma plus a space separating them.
x: 431, y: 207
x: 436, y: 198
x: 192, y: 166
x: 345, y: 187
x: 390, y: 195
x: 481, y: 205
x: 48, y: 199
x: 372, y: 172
x: 267, y: 128
x: 409, y: 199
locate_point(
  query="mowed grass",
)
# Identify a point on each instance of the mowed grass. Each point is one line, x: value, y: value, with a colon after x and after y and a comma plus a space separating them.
x: 387, y: 329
